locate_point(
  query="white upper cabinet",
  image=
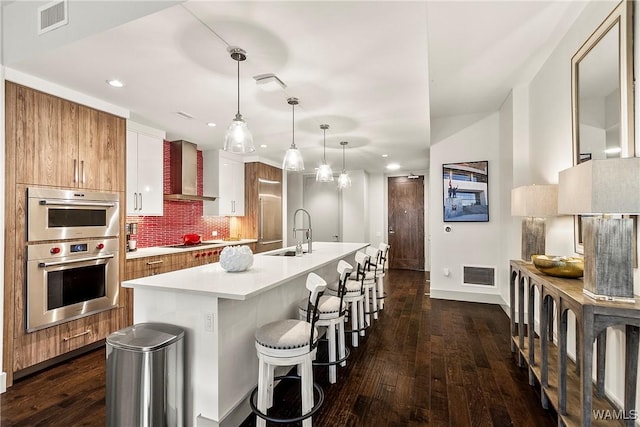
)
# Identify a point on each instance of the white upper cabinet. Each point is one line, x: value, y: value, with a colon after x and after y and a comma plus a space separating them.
x: 144, y: 172
x: 223, y: 176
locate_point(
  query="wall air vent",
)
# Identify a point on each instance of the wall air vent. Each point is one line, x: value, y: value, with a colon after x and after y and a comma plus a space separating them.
x: 484, y: 276
x: 52, y: 15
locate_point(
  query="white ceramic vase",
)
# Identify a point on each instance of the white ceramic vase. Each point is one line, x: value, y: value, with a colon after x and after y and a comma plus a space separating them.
x: 236, y: 258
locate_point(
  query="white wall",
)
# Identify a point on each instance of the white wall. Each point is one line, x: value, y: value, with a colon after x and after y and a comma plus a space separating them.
x: 473, y: 243
x: 377, y: 209
x: 292, y: 202
x: 355, y: 212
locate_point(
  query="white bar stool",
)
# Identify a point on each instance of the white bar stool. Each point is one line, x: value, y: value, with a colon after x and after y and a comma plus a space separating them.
x: 382, y: 268
x: 289, y: 343
x: 354, y: 296
x: 331, y: 313
x: 370, y: 285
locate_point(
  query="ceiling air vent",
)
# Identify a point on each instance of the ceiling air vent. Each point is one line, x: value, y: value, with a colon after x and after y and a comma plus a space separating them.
x: 52, y: 15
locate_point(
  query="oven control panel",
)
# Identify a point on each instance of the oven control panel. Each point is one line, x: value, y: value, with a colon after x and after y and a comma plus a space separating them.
x: 70, y: 249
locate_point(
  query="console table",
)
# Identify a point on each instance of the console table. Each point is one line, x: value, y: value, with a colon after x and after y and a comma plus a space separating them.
x: 566, y: 385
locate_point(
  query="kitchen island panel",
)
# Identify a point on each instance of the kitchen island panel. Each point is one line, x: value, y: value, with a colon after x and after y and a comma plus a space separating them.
x: 220, y: 358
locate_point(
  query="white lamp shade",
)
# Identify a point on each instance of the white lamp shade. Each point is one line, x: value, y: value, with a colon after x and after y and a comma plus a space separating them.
x: 238, y: 138
x: 324, y: 174
x: 293, y: 160
x: 609, y: 186
x: 538, y: 201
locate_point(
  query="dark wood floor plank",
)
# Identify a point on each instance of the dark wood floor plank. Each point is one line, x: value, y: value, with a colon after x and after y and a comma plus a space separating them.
x: 424, y: 362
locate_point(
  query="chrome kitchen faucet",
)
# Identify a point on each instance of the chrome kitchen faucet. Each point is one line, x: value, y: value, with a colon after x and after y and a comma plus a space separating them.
x: 306, y: 230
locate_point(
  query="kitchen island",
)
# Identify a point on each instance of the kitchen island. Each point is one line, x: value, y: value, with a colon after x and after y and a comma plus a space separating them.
x: 220, y: 312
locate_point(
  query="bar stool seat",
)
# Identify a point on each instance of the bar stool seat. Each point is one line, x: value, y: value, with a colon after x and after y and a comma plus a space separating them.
x: 289, y: 342
x: 331, y: 314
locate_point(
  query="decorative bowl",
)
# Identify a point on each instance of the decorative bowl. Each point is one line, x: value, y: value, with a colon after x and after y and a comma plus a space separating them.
x: 236, y: 258
x: 559, y: 266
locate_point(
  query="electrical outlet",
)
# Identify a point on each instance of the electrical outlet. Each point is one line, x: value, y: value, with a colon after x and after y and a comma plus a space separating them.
x: 214, y: 233
x: 208, y: 322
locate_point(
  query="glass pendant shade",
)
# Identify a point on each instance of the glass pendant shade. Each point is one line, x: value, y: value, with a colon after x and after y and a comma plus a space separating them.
x: 324, y: 173
x: 344, y: 180
x: 293, y: 158
x: 238, y: 138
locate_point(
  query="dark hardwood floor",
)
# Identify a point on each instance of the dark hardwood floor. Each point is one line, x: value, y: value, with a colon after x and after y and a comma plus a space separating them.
x: 423, y: 362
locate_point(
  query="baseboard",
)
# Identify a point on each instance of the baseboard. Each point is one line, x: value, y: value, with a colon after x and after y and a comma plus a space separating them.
x: 467, y: 296
x: 3, y: 382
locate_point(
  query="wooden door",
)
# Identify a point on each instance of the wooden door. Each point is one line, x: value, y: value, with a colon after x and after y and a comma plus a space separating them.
x: 406, y: 223
x: 101, y: 154
x: 44, y: 129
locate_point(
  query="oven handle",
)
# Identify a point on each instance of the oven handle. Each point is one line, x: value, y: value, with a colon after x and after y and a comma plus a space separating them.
x: 76, y: 203
x: 51, y: 264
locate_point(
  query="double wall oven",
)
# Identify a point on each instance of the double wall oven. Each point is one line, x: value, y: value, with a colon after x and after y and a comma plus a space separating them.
x: 72, y: 255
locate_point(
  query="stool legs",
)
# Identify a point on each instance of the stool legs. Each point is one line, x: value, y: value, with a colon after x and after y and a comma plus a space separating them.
x: 374, y: 299
x: 307, y: 390
x: 354, y: 323
x: 331, y: 336
x: 381, y: 291
x: 361, y: 315
x: 265, y: 390
x: 367, y: 305
x: 341, y: 342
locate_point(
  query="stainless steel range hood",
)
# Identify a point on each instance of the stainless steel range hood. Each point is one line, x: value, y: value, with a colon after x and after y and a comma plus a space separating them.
x: 183, y: 171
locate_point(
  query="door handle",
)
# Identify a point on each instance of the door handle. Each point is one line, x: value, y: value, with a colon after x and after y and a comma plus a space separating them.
x: 391, y: 231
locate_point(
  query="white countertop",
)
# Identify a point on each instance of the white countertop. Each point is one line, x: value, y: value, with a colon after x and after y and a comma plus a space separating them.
x: 163, y: 250
x: 267, y: 272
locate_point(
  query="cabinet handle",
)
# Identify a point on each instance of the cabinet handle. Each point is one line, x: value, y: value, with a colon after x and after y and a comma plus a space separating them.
x: 233, y: 206
x: 135, y: 201
x: 155, y: 262
x: 75, y: 170
x: 140, y: 194
x: 81, y: 334
x: 82, y: 167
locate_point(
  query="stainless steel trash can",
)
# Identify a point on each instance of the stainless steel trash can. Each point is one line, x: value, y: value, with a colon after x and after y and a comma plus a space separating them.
x: 145, y: 374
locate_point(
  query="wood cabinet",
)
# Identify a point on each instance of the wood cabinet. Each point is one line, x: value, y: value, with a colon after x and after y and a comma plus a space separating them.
x: 565, y: 384
x: 248, y: 226
x: 223, y: 177
x: 144, y: 174
x: 53, y: 142
x: 62, y: 143
x: 152, y: 265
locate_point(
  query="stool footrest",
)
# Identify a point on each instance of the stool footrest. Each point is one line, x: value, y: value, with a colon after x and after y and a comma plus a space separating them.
x: 356, y: 331
x: 276, y: 420
x: 337, y: 362
x: 383, y: 296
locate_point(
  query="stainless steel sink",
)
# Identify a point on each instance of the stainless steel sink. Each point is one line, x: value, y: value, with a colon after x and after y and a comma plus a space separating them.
x: 286, y: 253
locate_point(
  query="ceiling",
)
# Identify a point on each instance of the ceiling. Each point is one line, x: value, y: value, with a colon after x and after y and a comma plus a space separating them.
x: 379, y: 73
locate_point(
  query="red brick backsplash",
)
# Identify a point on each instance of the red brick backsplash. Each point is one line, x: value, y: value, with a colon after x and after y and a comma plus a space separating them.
x: 179, y: 218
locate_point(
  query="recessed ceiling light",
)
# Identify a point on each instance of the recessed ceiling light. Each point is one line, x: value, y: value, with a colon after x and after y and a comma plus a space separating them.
x: 393, y: 166
x: 115, y: 83
x: 211, y: 124
x: 385, y: 155
x: 263, y: 145
x: 613, y: 150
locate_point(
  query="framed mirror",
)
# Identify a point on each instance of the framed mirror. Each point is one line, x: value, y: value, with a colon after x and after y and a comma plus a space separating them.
x: 602, y: 94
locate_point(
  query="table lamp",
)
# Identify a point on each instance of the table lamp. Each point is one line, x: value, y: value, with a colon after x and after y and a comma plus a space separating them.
x: 604, y: 187
x: 534, y: 203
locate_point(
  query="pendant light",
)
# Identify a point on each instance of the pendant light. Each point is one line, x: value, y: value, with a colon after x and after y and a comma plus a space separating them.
x: 238, y: 138
x: 324, y: 174
x: 292, y: 158
x: 344, y: 181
